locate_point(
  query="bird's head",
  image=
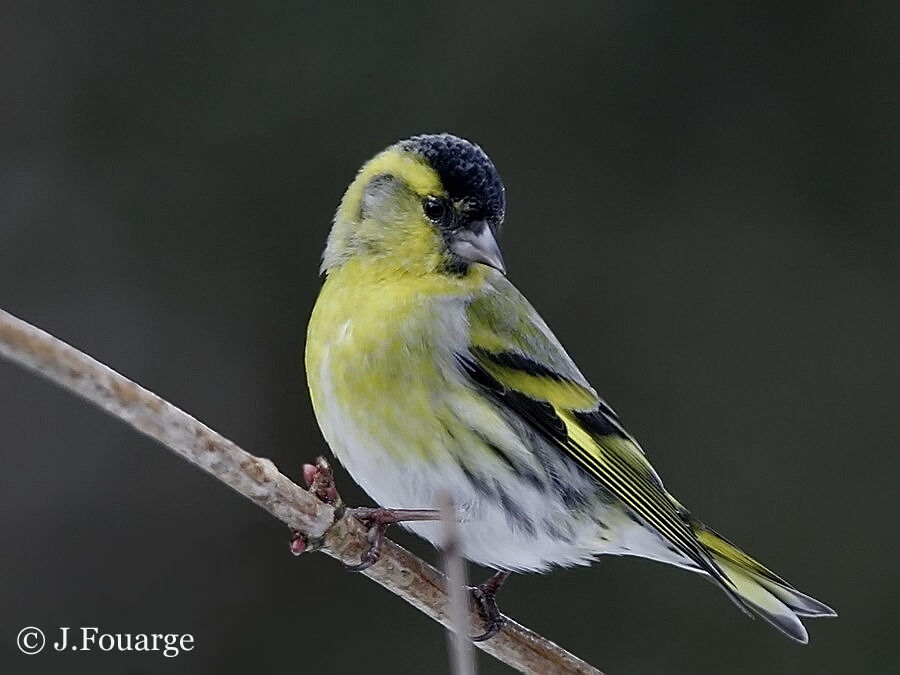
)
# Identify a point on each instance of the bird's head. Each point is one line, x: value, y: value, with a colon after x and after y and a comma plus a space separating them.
x: 428, y: 204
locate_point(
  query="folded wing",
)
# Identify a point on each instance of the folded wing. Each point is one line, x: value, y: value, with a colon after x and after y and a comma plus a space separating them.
x: 515, y: 359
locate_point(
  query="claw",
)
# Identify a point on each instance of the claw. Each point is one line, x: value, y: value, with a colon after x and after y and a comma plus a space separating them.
x: 378, y: 520
x: 485, y: 596
x: 369, y: 558
x: 319, y: 478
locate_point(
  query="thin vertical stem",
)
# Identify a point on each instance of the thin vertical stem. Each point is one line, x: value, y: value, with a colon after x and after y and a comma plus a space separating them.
x: 462, y: 656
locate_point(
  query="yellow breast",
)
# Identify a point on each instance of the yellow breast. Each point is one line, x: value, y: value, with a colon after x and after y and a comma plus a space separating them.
x: 378, y: 353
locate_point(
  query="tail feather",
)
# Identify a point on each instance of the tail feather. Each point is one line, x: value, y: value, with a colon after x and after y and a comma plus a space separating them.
x: 764, y: 603
x: 800, y: 603
x: 760, y: 589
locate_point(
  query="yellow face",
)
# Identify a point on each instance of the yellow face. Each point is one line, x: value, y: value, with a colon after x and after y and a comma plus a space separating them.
x: 381, y: 213
x: 399, y: 212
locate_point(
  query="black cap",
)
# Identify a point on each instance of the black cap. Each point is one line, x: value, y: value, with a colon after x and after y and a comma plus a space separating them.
x: 467, y: 173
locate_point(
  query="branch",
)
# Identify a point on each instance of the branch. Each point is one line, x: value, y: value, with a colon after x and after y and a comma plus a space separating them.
x: 259, y: 480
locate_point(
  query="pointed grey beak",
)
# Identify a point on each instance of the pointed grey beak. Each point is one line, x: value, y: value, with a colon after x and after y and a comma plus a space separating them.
x: 477, y: 244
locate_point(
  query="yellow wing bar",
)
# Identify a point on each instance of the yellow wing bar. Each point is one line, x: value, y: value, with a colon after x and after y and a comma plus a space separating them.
x: 593, y: 438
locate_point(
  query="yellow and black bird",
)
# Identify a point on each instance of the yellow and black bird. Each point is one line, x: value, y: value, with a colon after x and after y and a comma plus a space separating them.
x: 431, y: 374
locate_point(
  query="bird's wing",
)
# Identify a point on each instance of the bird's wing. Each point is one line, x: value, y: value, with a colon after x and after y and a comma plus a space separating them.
x: 515, y: 359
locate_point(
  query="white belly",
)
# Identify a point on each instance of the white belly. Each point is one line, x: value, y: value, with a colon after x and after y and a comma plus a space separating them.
x: 490, y: 534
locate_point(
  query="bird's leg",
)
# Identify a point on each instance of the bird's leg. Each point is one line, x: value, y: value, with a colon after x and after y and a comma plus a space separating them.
x: 377, y: 521
x: 319, y: 479
x: 485, y: 596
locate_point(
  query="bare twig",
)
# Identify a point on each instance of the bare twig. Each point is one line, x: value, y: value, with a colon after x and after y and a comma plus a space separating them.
x: 260, y: 481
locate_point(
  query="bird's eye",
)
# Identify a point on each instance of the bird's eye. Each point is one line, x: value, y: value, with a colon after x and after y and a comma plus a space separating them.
x: 435, y: 209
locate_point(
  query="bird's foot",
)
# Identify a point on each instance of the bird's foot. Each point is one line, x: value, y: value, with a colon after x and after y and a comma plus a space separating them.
x: 485, y: 596
x: 377, y: 521
x: 319, y: 478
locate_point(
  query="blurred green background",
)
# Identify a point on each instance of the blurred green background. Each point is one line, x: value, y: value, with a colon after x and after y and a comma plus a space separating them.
x: 703, y: 203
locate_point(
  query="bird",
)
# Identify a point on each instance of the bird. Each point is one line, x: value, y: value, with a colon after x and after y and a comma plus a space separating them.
x: 430, y: 374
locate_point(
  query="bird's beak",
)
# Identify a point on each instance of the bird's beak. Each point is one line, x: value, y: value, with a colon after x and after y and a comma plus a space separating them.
x: 477, y: 244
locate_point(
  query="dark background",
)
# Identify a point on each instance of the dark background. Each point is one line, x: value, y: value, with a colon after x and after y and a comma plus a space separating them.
x: 702, y: 203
